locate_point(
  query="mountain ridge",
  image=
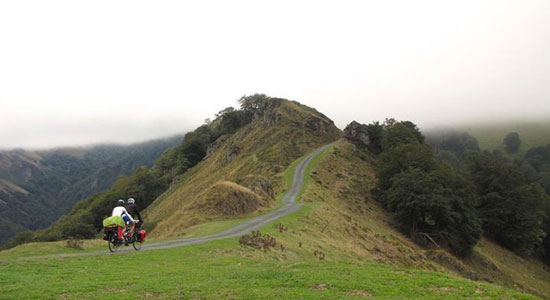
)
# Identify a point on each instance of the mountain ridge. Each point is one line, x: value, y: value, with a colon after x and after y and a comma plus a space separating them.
x: 37, y: 187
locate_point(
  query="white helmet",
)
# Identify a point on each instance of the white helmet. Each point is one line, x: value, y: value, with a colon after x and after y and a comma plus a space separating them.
x: 131, y: 201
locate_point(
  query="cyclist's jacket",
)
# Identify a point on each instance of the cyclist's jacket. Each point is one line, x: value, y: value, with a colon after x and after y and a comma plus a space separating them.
x: 133, y: 210
x: 121, y: 212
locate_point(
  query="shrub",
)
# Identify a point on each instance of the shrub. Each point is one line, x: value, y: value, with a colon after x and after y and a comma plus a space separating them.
x: 256, y: 240
x: 74, y: 243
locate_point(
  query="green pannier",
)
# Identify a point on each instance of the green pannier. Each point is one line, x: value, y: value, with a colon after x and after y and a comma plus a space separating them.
x: 114, y: 221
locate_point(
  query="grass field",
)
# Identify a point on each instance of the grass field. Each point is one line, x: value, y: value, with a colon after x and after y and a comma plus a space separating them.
x: 225, y: 270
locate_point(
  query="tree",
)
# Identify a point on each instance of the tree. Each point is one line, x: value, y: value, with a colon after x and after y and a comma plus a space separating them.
x: 254, y: 103
x: 511, y: 210
x: 458, y: 143
x: 439, y: 203
x: 376, y: 132
x: 400, y: 158
x: 512, y: 142
x: 539, y: 158
x: 397, y: 134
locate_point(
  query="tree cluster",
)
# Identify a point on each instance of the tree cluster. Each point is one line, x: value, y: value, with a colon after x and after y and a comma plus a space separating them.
x: 454, y: 193
x: 430, y: 199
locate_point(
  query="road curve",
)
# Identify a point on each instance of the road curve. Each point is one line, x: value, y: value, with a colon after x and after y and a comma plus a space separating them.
x: 289, y: 206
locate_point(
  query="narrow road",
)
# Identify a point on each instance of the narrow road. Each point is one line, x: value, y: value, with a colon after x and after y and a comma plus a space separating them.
x: 289, y: 206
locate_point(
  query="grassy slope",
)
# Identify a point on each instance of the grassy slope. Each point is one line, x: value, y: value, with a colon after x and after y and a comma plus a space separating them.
x: 265, y: 150
x: 224, y: 270
x: 364, y: 229
x: 490, y: 135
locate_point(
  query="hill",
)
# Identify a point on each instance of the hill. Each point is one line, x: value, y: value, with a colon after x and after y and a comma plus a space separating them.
x: 243, y: 171
x: 37, y: 187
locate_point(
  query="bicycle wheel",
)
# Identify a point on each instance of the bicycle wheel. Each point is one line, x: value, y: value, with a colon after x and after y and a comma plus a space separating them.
x: 113, y: 243
x: 136, y: 243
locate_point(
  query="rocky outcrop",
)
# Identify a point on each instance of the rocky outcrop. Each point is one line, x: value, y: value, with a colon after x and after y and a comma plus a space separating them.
x: 318, y: 124
x: 231, y: 154
x: 216, y: 145
x: 357, y: 134
x: 268, y: 114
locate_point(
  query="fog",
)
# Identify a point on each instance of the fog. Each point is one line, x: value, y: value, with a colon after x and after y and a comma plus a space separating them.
x: 78, y: 73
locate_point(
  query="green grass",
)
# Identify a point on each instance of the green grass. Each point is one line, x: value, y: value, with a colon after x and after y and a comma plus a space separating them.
x: 50, y: 248
x: 310, y: 167
x: 224, y: 270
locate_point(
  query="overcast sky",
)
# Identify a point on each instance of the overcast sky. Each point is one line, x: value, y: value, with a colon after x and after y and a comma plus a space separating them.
x: 81, y: 72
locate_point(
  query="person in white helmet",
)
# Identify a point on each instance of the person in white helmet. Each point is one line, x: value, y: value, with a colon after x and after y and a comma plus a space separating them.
x: 121, y: 211
x: 132, y: 209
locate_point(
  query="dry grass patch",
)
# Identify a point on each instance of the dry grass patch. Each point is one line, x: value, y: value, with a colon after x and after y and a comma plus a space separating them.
x: 359, y: 293
x: 230, y: 199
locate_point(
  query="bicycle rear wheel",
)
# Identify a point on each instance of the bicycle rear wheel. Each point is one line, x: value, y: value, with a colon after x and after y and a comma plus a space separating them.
x: 136, y: 242
x: 113, y: 243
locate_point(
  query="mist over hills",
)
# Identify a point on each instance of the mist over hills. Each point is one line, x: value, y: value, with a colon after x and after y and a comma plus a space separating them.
x: 38, y: 186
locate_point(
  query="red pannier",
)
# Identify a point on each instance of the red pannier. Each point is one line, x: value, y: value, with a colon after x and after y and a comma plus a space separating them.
x: 120, y: 232
x: 141, y: 235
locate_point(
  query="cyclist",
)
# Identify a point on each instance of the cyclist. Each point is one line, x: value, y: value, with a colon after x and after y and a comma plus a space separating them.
x: 121, y: 211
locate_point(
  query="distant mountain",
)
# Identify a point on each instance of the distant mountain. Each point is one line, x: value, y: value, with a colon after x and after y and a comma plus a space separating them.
x: 37, y: 187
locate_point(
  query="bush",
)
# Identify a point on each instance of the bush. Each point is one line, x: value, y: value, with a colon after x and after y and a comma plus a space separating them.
x: 256, y: 240
x: 74, y: 243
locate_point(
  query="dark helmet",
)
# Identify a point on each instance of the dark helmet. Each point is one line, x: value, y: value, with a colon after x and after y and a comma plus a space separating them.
x: 120, y: 202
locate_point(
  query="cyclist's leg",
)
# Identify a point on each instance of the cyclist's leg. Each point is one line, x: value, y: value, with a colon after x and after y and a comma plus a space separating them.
x: 127, y: 222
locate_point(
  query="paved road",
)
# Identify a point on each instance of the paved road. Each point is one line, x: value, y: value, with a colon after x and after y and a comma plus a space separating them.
x: 289, y: 206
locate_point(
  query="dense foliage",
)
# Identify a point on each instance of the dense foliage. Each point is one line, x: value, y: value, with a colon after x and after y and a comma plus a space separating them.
x: 454, y: 194
x: 431, y: 200
x: 510, y: 208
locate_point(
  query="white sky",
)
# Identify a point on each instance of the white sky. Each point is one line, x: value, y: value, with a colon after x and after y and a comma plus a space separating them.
x: 81, y: 72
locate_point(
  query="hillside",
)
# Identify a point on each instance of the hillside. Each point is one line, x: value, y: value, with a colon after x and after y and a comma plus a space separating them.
x: 242, y: 172
x: 346, y: 221
x: 490, y: 135
x: 46, y: 184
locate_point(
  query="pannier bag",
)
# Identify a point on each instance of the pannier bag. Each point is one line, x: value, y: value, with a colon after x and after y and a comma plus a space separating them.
x: 120, y: 229
x: 119, y: 232
x: 141, y: 235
